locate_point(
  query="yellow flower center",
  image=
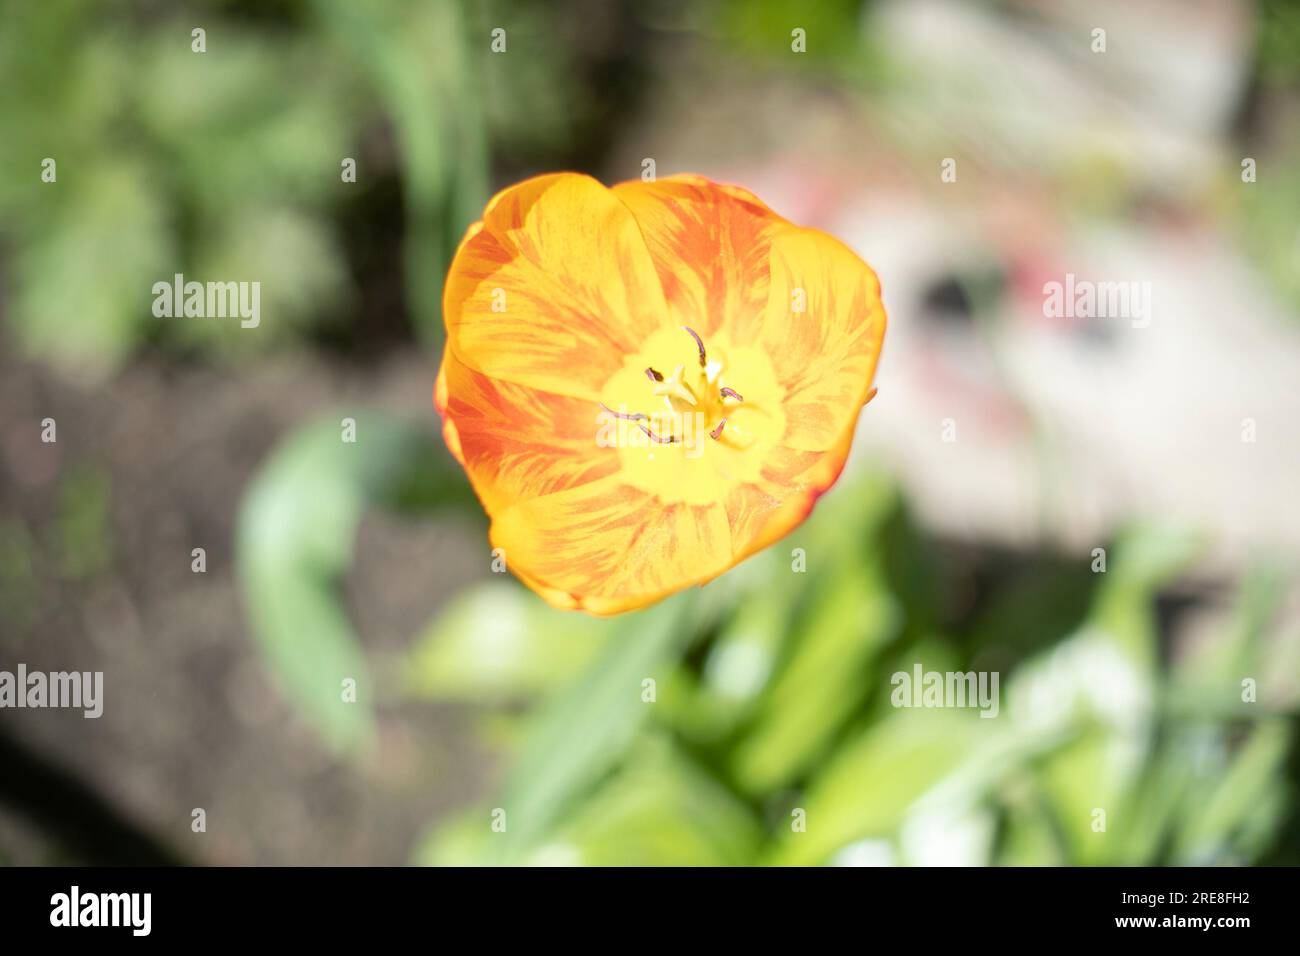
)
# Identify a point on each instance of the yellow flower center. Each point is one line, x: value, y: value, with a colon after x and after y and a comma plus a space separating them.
x: 691, y: 421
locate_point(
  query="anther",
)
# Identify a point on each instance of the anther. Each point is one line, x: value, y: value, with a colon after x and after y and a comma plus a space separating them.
x: 655, y: 438
x: 716, y: 433
x: 633, y: 417
x: 732, y: 393
x: 700, y: 342
x: 653, y: 375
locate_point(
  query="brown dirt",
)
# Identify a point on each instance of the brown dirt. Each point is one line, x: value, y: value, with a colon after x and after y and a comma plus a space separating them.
x: 192, y: 718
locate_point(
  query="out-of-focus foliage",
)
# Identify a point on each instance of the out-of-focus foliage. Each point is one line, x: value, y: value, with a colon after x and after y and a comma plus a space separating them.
x: 218, y: 166
x: 226, y: 165
x: 1278, y: 31
x: 1268, y: 217
x: 771, y: 736
x: 495, y: 642
x: 1268, y: 227
x: 829, y: 35
x: 751, y: 722
x: 296, y: 529
x: 435, y: 107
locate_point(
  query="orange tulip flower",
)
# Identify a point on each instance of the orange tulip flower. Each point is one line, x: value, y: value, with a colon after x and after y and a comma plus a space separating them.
x: 649, y: 383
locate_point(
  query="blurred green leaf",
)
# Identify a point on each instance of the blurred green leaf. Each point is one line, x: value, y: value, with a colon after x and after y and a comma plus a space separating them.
x: 535, y: 97
x: 1088, y: 693
x: 1145, y: 559
x: 1278, y: 37
x: 260, y: 116
x: 294, y: 540
x: 832, y: 29
x: 497, y: 641
x: 1083, y: 780
x: 291, y: 254
x: 1235, y: 800
x: 82, y: 282
x: 1098, y: 690
x: 458, y: 840
x: 151, y: 140
x: 1140, y: 834
x: 436, y: 107
x: 738, y: 666
x: 658, y: 810
x: 825, y: 679
x: 1029, y: 837
x: 867, y: 787
x: 842, y: 615
x: 1214, y: 671
x: 581, y: 733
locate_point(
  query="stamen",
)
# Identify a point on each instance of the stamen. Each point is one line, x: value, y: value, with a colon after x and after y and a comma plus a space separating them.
x: 700, y: 342
x: 656, y: 439
x: 674, y: 387
x: 635, y: 416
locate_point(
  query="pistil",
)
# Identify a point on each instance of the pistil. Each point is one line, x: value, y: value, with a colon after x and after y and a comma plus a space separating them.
x: 676, y: 387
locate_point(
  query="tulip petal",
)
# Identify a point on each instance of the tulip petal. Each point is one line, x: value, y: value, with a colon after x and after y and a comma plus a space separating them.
x: 826, y: 354
x: 608, y: 547
x: 553, y: 288
x: 517, y: 443
x: 710, y: 245
x: 763, y: 512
